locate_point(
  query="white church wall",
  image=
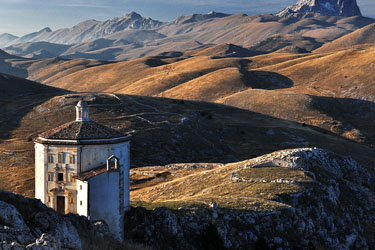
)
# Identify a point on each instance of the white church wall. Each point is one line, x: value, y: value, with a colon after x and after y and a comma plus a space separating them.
x: 40, y: 172
x: 96, y: 155
x: 82, y: 197
x: 104, y: 201
x: 93, y: 156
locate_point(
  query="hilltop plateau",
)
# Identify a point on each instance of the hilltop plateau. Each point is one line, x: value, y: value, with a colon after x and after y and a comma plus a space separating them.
x: 295, y: 199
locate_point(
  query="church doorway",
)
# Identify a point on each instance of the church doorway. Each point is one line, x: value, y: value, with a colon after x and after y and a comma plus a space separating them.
x: 61, y: 204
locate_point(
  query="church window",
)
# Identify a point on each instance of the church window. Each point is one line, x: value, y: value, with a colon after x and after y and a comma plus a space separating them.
x: 50, y: 158
x: 61, y: 158
x: 50, y: 176
x: 71, y: 200
x: 60, y: 177
x: 80, y: 187
x: 72, y: 159
x: 49, y: 198
x: 80, y: 203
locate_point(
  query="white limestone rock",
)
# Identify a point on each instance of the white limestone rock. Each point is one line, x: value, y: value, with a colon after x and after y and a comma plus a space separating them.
x: 59, y: 227
x: 12, y: 225
x: 45, y: 242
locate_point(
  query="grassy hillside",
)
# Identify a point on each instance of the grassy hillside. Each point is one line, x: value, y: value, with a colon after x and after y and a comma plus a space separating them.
x: 332, y: 90
x: 361, y: 37
x: 164, y: 131
x: 18, y: 97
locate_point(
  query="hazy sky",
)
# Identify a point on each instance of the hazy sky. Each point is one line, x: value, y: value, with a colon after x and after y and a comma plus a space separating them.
x: 19, y: 17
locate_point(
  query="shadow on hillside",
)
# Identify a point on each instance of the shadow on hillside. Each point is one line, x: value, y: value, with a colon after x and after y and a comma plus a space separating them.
x: 7, y: 68
x: 169, y: 131
x: 263, y: 79
x: 354, y: 114
x: 218, y: 133
x: 17, y: 98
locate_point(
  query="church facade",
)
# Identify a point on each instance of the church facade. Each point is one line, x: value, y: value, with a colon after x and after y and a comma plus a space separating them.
x: 83, y: 167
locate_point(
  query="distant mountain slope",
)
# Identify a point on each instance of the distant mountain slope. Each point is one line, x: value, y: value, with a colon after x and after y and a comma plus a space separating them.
x: 344, y: 8
x: 366, y: 35
x: 133, y: 36
x: 5, y: 55
x: 90, y: 30
x: 198, y: 17
x: 6, y: 39
x: 7, y: 66
x: 31, y: 49
x: 34, y: 37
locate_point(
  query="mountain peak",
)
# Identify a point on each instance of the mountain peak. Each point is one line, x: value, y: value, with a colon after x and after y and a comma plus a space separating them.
x: 345, y: 8
x: 46, y: 29
x: 133, y: 15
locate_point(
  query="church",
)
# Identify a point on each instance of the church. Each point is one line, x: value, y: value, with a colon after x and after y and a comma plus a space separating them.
x: 83, y: 167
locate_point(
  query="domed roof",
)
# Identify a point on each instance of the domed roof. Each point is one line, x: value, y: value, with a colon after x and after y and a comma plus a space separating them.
x: 78, y: 132
x: 81, y: 131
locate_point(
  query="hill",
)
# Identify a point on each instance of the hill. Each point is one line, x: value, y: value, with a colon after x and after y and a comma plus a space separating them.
x: 272, y: 199
x: 167, y: 128
x: 17, y: 98
x: 364, y: 36
x: 334, y: 89
x: 30, y: 49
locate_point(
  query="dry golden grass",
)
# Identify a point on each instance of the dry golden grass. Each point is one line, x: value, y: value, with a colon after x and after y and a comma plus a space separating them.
x: 258, y: 191
x: 164, y: 131
x: 365, y: 35
x: 209, y: 87
x: 318, y: 84
x: 295, y: 83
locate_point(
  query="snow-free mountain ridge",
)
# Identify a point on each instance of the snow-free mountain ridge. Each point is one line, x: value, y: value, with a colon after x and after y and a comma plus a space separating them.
x: 300, y: 28
x: 90, y: 30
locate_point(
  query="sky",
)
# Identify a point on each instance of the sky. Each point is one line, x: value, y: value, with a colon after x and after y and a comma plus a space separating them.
x: 20, y: 17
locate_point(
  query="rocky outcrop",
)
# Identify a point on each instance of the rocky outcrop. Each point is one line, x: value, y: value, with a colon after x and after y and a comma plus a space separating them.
x: 28, y: 224
x: 334, y: 211
x: 345, y: 8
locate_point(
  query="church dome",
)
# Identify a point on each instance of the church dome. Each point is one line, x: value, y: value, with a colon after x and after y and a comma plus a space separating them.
x: 81, y: 131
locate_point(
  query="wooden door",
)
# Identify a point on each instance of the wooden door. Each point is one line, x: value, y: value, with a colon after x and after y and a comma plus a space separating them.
x: 61, y: 204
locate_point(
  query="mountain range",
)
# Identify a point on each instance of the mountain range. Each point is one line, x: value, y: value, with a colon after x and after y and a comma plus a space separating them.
x: 302, y: 27
x: 247, y: 131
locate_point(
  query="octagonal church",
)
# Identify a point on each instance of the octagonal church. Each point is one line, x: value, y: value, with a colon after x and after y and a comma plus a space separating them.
x: 83, y: 167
